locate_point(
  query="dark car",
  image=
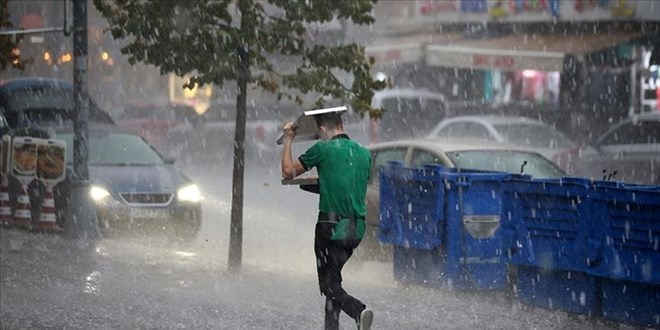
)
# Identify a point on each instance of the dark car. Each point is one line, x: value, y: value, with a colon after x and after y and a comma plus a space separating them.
x: 163, y: 124
x: 32, y: 101
x: 214, y: 139
x: 629, y: 151
x: 133, y: 186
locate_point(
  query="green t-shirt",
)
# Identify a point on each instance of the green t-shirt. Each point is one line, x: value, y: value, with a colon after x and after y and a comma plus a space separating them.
x: 343, y: 167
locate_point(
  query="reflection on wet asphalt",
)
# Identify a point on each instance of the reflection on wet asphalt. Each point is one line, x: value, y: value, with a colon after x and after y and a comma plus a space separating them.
x: 152, y: 283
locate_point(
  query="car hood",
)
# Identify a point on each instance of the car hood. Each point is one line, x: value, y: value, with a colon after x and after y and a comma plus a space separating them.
x: 143, y: 179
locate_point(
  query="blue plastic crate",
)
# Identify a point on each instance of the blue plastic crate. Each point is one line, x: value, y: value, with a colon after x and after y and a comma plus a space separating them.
x: 629, y: 222
x: 624, y: 185
x: 569, y: 291
x: 411, y: 213
x: 475, y: 255
x: 631, y: 302
x: 551, y: 224
x: 454, y: 215
x: 416, y: 266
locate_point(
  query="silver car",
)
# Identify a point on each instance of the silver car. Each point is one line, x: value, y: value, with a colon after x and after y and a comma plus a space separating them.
x: 521, y: 131
x: 629, y: 151
x: 452, y: 153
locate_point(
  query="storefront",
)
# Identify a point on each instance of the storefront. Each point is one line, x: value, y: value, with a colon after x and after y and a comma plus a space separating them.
x: 566, y: 55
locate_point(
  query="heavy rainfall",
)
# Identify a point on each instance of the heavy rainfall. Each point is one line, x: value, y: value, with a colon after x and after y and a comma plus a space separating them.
x: 515, y: 162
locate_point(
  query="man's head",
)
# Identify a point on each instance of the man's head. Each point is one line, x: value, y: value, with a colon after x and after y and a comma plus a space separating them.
x: 329, y: 124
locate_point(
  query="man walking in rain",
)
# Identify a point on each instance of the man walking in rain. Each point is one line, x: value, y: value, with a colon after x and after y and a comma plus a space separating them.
x: 343, y: 168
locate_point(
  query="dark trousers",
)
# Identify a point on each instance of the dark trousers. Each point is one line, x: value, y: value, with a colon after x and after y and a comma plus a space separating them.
x: 331, y: 255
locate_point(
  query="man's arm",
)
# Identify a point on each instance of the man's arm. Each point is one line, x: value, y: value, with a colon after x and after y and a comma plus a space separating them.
x: 290, y: 168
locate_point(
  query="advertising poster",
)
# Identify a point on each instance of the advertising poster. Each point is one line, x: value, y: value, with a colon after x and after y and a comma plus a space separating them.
x: 50, y: 160
x: 24, y: 157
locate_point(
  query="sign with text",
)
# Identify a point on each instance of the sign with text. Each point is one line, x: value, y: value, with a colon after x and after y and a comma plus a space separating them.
x: 483, y: 58
x: 532, y: 10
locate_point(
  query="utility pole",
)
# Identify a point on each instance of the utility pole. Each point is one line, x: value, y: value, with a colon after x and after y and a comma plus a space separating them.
x: 81, y: 220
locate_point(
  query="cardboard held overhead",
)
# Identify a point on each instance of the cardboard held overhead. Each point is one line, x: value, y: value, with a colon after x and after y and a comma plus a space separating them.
x: 306, y: 126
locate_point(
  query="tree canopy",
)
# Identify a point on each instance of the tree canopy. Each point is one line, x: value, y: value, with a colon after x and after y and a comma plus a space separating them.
x: 9, y: 56
x: 202, y: 39
x: 258, y: 43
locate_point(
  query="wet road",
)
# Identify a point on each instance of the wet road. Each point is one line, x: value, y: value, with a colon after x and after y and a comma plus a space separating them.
x: 150, y: 283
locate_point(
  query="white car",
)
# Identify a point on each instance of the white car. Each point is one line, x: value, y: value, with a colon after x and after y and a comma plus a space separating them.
x: 452, y: 153
x: 522, y: 131
x: 409, y: 113
x: 629, y: 151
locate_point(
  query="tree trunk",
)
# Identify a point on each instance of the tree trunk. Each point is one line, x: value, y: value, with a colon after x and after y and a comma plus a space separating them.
x: 236, y: 228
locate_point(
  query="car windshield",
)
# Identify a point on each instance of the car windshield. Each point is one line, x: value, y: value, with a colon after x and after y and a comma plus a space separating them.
x: 114, y: 149
x: 506, y: 161
x: 533, y: 135
x: 39, y: 98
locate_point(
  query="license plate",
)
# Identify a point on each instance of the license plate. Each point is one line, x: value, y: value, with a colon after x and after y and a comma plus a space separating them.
x: 147, y: 213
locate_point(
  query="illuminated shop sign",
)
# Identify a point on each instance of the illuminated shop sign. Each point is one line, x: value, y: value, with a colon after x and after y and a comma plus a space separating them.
x: 530, y: 10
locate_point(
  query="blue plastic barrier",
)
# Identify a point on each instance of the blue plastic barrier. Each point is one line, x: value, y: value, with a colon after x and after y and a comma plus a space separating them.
x: 551, y: 223
x: 631, y: 302
x: 629, y: 216
x: 573, y: 244
x: 410, y: 214
x: 444, y: 224
x: 555, y: 243
x: 629, y: 219
x: 557, y: 289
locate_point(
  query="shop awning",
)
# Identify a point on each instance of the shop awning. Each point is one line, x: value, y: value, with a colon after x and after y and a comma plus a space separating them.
x: 397, y: 53
x: 520, y: 52
x: 406, y: 49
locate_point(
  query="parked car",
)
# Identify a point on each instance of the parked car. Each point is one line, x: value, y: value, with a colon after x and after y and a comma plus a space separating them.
x: 452, y: 153
x: 164, y: 125
x: 213, y: 139
x: 629, y: 151
x: 409, y: 113
x: 30, y: 101
x: 133, y: 186
x: 522, y: 131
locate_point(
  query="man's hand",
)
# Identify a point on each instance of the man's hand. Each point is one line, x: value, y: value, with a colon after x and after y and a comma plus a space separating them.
x: 290, y: 167
x: 289, y: 131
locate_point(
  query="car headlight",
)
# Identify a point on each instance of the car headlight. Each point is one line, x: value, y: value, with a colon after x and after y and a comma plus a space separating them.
x: 189, y: 193
x: 98, y: 194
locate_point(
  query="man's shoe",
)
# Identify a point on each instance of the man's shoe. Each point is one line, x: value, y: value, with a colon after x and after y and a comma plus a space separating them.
x: 365, y: 320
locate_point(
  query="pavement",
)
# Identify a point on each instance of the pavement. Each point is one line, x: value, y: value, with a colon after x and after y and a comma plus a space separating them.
x: 48, y: 282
